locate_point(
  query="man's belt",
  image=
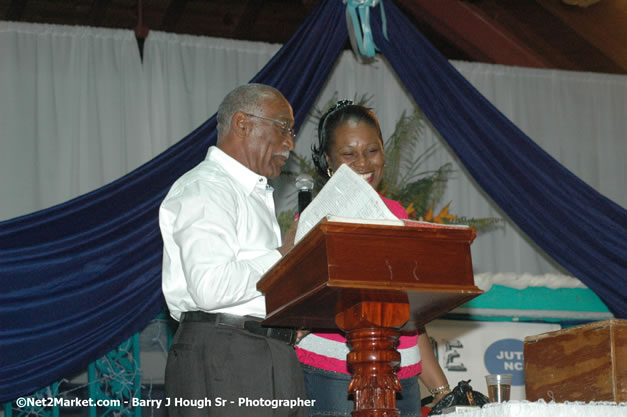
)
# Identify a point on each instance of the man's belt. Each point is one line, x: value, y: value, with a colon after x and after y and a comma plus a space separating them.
x: 248, y: 323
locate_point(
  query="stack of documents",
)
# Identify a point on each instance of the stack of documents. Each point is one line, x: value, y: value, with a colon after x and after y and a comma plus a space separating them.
x: 348, y: 196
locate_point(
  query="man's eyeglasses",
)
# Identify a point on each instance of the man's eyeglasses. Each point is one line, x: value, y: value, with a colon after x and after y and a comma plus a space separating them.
x: 285, y: 127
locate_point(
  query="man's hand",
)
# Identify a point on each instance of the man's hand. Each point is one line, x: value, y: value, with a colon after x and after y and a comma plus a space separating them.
x: 288, y: 240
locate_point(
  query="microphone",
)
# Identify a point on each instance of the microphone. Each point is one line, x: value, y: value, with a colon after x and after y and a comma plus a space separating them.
x: 304, y: 185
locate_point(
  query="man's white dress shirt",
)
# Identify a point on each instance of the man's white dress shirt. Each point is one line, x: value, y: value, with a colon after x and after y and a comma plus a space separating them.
x: 220, y: 235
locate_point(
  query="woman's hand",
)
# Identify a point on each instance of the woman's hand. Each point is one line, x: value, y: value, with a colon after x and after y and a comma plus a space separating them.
x: 300, y: 334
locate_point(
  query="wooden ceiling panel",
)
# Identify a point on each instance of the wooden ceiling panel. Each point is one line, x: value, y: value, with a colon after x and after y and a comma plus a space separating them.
x: 537, y: 33
x: 548, y: 36
x: 603, y: 25
x: 219, y: 21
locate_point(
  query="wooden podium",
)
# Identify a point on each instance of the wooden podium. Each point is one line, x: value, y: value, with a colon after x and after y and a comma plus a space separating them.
x: 370, y: 281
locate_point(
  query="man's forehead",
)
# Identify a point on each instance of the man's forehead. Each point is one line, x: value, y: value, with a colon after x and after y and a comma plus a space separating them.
x: 281, y: 106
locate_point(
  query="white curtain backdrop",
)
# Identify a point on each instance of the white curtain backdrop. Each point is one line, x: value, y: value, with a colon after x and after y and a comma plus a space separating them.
x: 72, y: 113
x: 78, y: 109
x: 188, y: 76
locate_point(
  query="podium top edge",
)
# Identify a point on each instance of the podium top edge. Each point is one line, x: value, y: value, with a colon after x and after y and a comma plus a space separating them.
x: 444, y: 231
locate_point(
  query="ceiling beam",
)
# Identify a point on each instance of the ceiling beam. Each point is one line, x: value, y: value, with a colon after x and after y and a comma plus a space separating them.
x: 173, y: 15
x: 553, y: 38
x: 16, y: 10
x: 98, y: 12
x: 246, y: 20
x: 471, y: 30
x: 603, y: 26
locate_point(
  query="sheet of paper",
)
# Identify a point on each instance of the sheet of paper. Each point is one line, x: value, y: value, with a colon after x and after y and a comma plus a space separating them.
x: 382, y: 222
x: 423, y: 224
x: 346, y: 194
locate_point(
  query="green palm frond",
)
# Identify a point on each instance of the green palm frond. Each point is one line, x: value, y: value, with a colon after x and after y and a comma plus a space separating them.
x: 399, y: 151
x: 483, y: 224
x: 424, y: 192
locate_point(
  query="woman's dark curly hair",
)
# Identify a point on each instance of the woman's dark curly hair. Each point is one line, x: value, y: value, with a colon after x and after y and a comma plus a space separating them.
x: 343, y: 111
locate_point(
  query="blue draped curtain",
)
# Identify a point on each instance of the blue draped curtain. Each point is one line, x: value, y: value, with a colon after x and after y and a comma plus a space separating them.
x: 581, y: 229
x: 79, y: 278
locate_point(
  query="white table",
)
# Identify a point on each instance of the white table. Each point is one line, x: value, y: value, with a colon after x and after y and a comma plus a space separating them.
x: 544, y: 409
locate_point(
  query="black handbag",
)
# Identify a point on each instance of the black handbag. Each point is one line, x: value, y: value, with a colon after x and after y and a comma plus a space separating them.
x: 462, y: 394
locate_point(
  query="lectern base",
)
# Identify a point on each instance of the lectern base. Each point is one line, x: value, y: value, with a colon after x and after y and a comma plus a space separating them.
x: 369, y: 281
x: 373, y: 361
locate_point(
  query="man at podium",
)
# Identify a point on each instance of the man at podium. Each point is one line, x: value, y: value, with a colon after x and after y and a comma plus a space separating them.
x: 220, y: 235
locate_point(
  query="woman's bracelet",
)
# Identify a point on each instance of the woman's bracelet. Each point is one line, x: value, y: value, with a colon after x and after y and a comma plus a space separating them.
x: 442, y: 389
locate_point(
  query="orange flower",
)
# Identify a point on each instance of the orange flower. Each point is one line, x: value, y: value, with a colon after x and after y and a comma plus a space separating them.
x: 444, y: 214
x: 428, y: 217
x: 411, y: 210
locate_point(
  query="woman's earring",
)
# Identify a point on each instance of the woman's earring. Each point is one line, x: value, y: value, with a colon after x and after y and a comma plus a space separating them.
x: 329, y: 172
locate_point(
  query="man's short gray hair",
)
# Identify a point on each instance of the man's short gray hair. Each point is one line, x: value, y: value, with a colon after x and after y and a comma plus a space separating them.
x: 247, y: 98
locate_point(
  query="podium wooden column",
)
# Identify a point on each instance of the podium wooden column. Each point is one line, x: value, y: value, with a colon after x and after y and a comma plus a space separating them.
x: 370, y: 281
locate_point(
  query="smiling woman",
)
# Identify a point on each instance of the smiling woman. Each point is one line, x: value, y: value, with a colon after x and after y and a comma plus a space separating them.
x: 350, y: 134
x: 358, y: 145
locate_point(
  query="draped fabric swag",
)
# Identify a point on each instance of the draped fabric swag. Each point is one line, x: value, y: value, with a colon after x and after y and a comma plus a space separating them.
x: 81, y: 277
x: 581, y: 229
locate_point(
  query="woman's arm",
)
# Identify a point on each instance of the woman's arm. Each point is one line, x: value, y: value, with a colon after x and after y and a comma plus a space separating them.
x: 432, y: 375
